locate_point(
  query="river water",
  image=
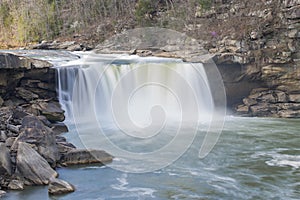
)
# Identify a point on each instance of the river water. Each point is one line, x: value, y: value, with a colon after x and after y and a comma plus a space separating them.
x: 254, y: 158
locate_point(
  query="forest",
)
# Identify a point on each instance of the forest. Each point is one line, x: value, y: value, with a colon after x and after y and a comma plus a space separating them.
x: 26, y: 21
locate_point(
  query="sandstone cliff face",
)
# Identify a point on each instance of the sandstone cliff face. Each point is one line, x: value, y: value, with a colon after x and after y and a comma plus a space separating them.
x: 258, y: 46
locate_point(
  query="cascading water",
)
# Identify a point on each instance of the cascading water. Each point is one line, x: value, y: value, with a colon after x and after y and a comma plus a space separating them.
x: 117, y: 103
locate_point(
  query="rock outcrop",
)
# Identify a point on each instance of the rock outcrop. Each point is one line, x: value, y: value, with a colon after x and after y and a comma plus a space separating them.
x: 58, y: 186
x: 5, y: 162
x: 32, y: 166
x: 31, y: 146
x: 258, y: 40
x: 82, y: 156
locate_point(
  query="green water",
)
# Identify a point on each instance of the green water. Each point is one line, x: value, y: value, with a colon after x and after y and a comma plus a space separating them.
x: 255, y: 158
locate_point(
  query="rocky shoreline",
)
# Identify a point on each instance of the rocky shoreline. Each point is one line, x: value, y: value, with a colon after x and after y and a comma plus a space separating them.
x: 31, y: 145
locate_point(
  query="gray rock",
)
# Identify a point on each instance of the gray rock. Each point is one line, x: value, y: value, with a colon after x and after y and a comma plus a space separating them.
x: 33, y: 167
x: 5, y: 162
x: 59, y: 128
x: 10, y: 141
x: 11, y: 61
x: 1, y: 101
x: 294, y: 98
x: 52, y: 111
x: 2, y: 193
x: 25, y: 94
x: 3, y: 136
x: 84, y: 156
x: 16, y: 185
x: 58, y: 186
x: 33, y: 131
x: 13, y: 128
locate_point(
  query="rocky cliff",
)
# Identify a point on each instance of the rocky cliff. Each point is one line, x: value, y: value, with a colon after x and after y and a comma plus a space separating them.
x: 257, y: 51
x: 31, y: 146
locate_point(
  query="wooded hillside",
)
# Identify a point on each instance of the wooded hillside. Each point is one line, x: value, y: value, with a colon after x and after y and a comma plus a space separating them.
x: 24, y: 21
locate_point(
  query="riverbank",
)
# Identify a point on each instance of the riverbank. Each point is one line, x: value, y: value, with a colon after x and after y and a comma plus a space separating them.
x: 31, y: 125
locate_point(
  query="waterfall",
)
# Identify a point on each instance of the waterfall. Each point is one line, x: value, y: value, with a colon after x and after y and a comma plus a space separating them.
x: 134, y: 101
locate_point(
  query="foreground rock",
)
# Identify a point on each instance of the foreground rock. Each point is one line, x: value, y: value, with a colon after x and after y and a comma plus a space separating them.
x: 2, y: 193
x: 58, y: 186
x: 5, y: 162
x: 32, y: 166
x: 83, y: 156
x: 16, y: 185
x: 42, y: 138
x: 30, y: 126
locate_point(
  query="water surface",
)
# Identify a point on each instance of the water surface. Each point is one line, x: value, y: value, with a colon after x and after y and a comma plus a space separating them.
x: 255, y: 158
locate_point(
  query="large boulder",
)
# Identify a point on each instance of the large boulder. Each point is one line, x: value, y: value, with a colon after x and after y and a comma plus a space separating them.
x: 5, y: 162
x: 33, y: 167
x: 84, y: 156
x: 34, y: 132
x: 52, y: 111
x: 58, y: 186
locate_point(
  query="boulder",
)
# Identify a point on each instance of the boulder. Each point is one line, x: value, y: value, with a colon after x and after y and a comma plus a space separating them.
x: 58, y: 186
x: 26, y: 94
x: 33, y: 131
x: 32, y: 166
x: 16, y: 185
x: 59, y: 128
x: 52, y: 111
x: 5, y: 162
x: 10, y: 141
x: 2, y: 193
x: 84, y: 156
x: 3, y: 136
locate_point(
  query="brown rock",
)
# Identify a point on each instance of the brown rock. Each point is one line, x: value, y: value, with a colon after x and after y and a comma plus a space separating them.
x: 242, y: 109
x: 249, y: 102
x: 294, y: 98
x: 58, y: 186
x: 83, y: 156
x: 289, y: 113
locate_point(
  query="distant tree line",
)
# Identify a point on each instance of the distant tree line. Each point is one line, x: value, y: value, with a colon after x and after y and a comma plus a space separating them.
x: 34, y: 20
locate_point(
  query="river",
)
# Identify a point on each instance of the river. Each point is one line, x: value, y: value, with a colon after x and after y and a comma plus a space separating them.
x: 255, y: 158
